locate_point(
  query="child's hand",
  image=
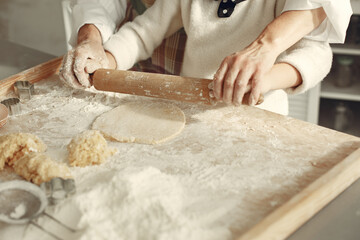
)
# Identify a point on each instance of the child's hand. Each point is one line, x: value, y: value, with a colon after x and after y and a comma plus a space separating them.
x: 88, y: 56
x: 80, y: 62
x: 244, y: 72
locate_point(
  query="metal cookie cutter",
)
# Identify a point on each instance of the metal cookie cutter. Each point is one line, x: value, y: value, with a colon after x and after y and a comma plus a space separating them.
x: 24, y: 89
x: 4, y: 113
x: 58, y: 189
x: 13, y: 105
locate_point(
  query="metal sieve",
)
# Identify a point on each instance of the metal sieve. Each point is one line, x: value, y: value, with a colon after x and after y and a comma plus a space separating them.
x: 22, y: 202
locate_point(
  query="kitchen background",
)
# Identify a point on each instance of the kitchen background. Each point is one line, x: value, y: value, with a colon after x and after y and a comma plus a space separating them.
x: 36, y: 24
x: 335, y: 103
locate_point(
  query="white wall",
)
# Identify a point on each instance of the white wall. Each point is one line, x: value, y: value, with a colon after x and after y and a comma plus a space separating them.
x: 34, y: 23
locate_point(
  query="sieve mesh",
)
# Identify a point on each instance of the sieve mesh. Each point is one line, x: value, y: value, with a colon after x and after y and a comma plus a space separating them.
x: 20, y: 201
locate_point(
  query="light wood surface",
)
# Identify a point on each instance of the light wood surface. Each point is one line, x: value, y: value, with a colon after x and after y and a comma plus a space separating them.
x: 281, y: 222
x: 32, y: 75
x: 290, y: 216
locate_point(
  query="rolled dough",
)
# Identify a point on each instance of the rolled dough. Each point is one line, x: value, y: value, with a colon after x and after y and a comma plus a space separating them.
x: 141, y: 122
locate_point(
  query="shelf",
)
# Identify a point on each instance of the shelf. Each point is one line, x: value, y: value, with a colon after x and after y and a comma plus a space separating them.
x: 327, y: 116
x: 330, y: 91
x: 346, y: 49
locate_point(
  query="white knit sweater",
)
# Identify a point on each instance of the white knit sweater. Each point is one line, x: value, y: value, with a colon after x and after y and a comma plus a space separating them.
x: 211, y: 39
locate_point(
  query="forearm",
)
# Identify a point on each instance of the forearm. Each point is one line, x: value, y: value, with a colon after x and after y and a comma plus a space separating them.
x: 282, y: 76
x: 312, y: 59
x: 137, y: 40
x: 106, y: 15
x: 333, y: 28
x: 89, y: 32
x: 287, y: 29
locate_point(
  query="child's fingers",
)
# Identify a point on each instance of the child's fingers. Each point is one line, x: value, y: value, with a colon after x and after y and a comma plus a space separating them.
x: 211, y: 94
x: 66, y: 73
x: 92, y: 65
x: 261, y: 100
x: 256, y: 87
x: 255, y: 91
x: 211, y: 85
x: 254, y: 96
x: 79, y: 69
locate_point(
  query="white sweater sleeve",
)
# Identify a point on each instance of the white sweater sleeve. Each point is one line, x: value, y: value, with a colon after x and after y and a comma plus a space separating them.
x: 313, y: 59
x: 106, y: 15
x: 333, y: 28
x: 137, y: 40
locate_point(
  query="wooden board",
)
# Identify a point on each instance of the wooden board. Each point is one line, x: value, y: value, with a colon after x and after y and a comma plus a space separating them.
x: 32, y: 75
x: 290, y: 216
x: 285, y: 219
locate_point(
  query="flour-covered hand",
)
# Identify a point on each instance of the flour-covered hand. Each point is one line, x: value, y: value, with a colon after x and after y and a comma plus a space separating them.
x: 80, y: 62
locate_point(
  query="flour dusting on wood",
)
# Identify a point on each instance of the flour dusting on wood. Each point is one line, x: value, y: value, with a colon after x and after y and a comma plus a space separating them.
x: 228, y: 169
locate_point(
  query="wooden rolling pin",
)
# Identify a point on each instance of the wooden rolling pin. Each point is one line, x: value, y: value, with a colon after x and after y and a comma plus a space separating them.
x: 171, y: 87
x: 153, y: 85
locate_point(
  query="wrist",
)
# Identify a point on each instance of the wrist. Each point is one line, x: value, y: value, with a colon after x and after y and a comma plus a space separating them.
x: 89, y: 32
x: 269, y: 41
x: 111, y: 59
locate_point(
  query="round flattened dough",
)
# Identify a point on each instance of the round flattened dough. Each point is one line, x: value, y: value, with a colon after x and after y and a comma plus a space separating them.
x: 141, y: 122
x: 89, y: 148
x: 15, y: 145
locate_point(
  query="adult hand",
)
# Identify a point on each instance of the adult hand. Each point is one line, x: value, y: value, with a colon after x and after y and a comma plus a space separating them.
x: 243, y: 72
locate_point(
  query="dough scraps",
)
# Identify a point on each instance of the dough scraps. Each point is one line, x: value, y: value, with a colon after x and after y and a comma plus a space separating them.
x: 141, y: 122
x: 89, y: 148
x: 38, y: 168
x: 16, y: 145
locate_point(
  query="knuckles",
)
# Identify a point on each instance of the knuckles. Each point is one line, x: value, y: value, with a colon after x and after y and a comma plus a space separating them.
x: 240, y: 85
x: 228, y: 84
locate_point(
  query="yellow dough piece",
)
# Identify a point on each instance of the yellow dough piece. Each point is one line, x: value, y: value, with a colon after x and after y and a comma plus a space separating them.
x: 16, y: 145
x: 38, y: 168
x: 89, y: 148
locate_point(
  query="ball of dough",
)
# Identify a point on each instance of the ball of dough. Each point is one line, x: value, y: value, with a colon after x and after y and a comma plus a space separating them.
x: 89, y: 148
x: 38, y: 168
x: 16, y: 145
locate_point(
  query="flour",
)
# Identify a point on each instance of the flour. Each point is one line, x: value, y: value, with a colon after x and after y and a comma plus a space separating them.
x: 148, y: 205
x: 18, y: 212
x: 227, y: 170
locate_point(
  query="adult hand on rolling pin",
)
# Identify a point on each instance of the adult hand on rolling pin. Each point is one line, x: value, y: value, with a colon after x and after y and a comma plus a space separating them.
x: 242, y: 75
x: 88, y: 56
